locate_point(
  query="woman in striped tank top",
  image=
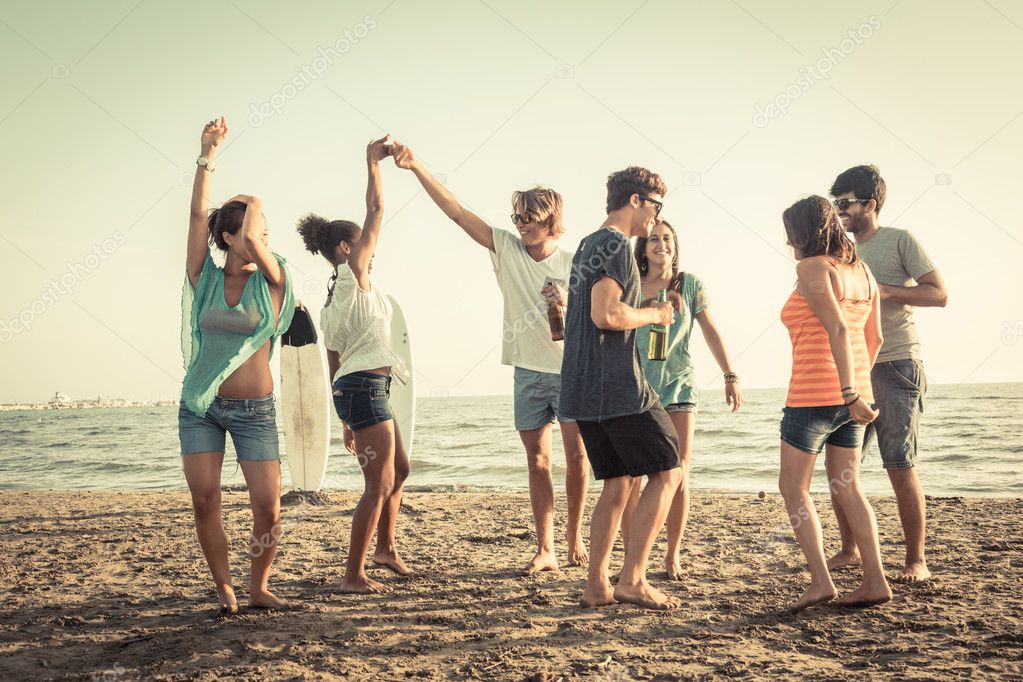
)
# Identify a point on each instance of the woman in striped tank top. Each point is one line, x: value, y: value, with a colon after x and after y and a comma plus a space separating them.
x: 833, y: 320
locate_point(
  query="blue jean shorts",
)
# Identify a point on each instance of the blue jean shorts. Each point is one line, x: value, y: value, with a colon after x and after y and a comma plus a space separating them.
x: 537, y: 395
x: 252, y: 424
x: 362, y: 399
x: 899, y: 387
x: 810, y: 428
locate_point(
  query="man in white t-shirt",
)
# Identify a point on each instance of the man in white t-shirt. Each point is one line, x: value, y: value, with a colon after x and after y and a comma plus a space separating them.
x: 524, y: 264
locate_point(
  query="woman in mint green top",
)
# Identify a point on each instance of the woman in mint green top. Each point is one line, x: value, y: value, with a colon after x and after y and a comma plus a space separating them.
x: 231, y: 316
x: 674, y: 378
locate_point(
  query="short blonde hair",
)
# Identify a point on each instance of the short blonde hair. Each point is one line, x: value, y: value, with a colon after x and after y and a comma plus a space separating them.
x: 545, y: 204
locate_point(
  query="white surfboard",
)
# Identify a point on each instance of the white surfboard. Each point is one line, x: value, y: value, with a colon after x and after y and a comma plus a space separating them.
x: 403, y: 395
x: 305, y: 403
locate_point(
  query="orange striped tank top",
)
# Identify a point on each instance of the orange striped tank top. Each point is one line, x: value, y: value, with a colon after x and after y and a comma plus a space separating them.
x: 815, y: 381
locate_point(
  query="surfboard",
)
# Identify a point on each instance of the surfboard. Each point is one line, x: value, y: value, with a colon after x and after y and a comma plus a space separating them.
x: 403, y: 394
x: 305, y: 403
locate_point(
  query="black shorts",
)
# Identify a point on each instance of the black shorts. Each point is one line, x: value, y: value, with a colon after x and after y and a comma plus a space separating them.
x: 634, y: 445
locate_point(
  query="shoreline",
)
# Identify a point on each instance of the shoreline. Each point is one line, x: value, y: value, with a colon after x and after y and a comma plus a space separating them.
x: 95, y: 582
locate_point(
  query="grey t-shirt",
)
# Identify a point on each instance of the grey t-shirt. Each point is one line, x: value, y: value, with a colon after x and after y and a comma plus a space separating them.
x: 896, y: 259
x: 601, y: 377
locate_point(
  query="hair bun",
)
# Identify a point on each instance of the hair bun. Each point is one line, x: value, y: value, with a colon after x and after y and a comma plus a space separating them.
x: 314, y: 231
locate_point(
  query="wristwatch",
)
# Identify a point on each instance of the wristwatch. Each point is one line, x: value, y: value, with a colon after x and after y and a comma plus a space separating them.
x: 208, y: 164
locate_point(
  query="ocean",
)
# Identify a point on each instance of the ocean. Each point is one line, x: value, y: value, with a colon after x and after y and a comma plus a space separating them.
x: 971, y: 444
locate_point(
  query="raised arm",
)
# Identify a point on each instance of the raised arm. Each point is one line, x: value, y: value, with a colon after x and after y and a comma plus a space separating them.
x: 472, y: 224
x: 363, y: 250
x: 608, y: 312
x: 213, y: 134
x: 254, y: 241
x: 816, y: 287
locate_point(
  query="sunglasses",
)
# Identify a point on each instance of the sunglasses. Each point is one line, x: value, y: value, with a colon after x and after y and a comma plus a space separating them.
x: 657, y: 204
x: 844, y: 204
x: 524, y: 218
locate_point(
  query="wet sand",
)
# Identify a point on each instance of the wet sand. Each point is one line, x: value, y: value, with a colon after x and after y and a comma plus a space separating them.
x: 112, y: 586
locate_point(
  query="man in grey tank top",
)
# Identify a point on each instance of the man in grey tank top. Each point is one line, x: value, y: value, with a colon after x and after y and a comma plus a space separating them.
x: 906, y: 279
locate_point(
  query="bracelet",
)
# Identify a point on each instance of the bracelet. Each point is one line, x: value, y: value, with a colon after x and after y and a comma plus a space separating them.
x: 731, y: 377
x: 848, y: 389
x: 853, y: 400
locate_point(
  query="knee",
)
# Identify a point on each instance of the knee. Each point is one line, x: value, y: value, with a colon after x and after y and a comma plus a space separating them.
x: 789, y: 488
x: 267, y: 512
x: 401, y: 474
x: 540, y: 461
x: 380, y: 489
x: 206, y: 503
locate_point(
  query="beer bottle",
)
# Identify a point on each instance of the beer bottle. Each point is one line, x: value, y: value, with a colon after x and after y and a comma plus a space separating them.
x: 659, y: 335
x: 556, y: 317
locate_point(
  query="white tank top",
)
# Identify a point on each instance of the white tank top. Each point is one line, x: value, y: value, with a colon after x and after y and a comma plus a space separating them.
x: 357, y: 324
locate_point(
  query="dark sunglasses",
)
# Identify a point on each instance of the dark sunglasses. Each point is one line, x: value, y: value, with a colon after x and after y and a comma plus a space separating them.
x: 658, y: 205
x: 524, y: 218
x: 844, y: 204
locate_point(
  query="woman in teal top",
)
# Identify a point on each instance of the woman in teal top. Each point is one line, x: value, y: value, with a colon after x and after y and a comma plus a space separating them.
x: 230, y: 319
x: 674, y: 379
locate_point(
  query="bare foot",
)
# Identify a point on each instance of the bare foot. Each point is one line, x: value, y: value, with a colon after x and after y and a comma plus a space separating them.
x: 866, y: 596
x: 815, y: 594
x: 228, y: 602
x: 542, y: 561
x: 673, y: 569
x: 394, y: 562
x: 264, y: 599
x: 643, y: 594
x: 577, y: 554
x: 363, y: 584
x: 916, y: 572
x: 599, y: 596
x: 843, y: 559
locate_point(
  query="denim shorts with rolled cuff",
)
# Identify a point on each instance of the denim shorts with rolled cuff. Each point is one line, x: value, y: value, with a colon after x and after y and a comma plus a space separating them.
x: 362, y: 399
x: 252, y: 424
x: 811, y: 428
x: 899, y: 388
x: 681, y: 407
x: 537, y: 396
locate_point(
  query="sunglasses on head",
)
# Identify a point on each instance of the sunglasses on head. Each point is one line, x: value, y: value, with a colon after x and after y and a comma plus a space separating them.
x: 657, y: 204
x: 844, y: 204
x: 524, y: 218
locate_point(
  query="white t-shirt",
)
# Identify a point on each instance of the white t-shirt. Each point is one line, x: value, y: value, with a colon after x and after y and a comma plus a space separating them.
x: 357, y: 325
x: 526, y: 336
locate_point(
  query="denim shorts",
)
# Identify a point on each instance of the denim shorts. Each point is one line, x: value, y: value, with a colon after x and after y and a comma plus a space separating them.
x: 810, y: 428
x: 252, y: 424
x: 362, y: 399
x: 681, y: 407
x: 899, y: 387
x: 537, y: 395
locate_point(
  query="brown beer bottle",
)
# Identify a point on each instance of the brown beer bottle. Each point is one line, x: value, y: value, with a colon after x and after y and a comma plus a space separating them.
x: 556, y: 318
x: 659, y: 335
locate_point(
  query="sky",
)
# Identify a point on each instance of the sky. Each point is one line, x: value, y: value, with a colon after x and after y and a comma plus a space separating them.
x: 743, y: 107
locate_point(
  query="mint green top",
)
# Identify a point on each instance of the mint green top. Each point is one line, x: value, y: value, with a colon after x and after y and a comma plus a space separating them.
x: 217, y: 338
x: 673, y: 379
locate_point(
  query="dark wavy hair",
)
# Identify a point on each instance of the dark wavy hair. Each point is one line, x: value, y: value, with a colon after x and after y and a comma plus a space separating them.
x: 813, y: 228
x: 633, y: 180
x: 865, y: 182
x: 225, y: 220
x: 644, y: 264
x: 322, y: 236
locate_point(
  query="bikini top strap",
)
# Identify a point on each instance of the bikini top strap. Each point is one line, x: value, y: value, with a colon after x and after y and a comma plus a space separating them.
x: 870, y: 293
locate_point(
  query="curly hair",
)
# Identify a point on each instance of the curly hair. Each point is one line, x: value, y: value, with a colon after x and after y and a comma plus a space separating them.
x: 545, y: 204
x: 865, y: 182
x: 322, y: 236
x: 813, y: 228
x: 633, y: 180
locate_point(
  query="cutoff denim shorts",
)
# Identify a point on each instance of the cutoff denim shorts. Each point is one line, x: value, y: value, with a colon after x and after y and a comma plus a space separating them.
x: 362, y: 399
x: 252, y: 424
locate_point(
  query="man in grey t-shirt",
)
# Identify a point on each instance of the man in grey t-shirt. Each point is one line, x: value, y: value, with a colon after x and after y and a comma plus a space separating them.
x: 627, y: 433
x: 906, y: 279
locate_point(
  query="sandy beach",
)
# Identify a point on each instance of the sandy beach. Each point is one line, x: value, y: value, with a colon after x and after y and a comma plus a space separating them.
x: 112, y: 586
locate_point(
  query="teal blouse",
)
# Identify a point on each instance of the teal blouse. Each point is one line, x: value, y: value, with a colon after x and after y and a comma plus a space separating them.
x: 673, y: 379
x: 217, y: 338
